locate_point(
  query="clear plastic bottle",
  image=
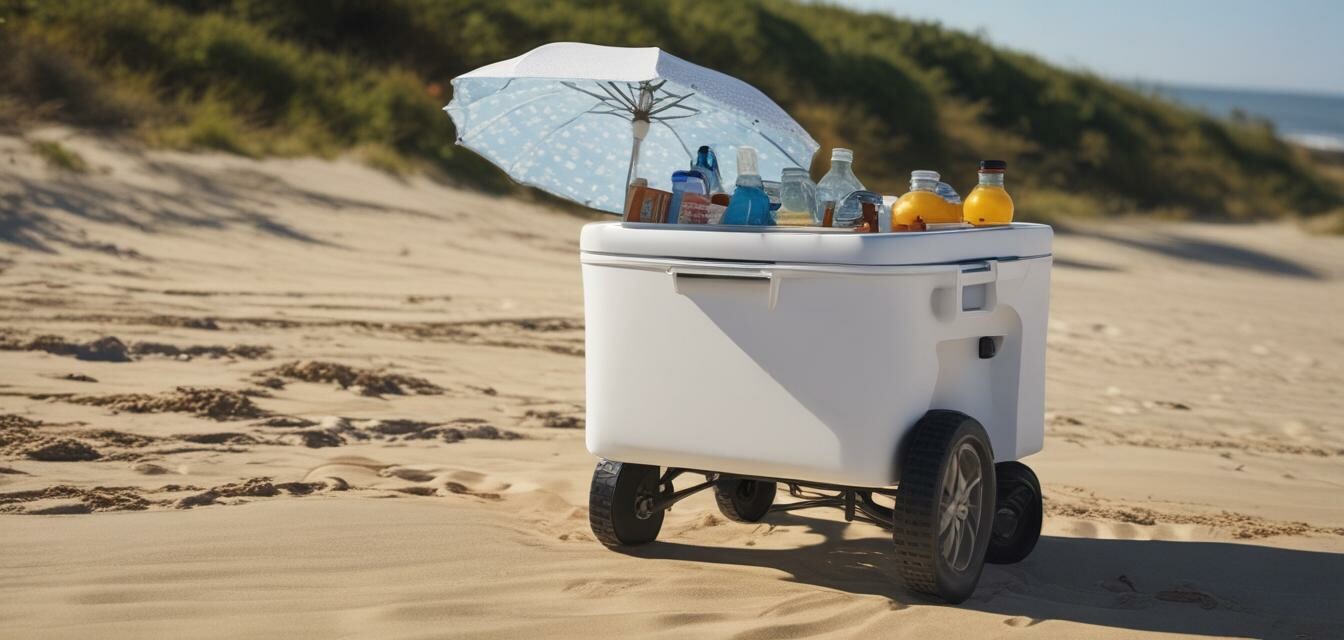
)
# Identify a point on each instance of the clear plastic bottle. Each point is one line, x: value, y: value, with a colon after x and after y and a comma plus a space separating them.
x: 708, y: 166
x: 989, y: 203
x: 797, y: 199
x: 839, y: 182
x: 849, y: 213
x: 953, y: 199
x: 749, y: 205
x: 948, y: 193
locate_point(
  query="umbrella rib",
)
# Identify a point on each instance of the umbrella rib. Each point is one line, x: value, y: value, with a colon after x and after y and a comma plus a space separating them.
x: 557, y: 128
x: 607, y: 99
x: 668, y: 94
x: 570, y: 121
x: 489, y: 123
x: 679, y: 140
x: 675, y: 103
x: 781, y: 149
x: 615, y: 94
x: 550, y: 133
x: 634, y: 99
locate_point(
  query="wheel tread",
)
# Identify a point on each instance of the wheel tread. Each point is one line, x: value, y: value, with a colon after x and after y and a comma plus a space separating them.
x: 601, y: 495
x: 916, y: 503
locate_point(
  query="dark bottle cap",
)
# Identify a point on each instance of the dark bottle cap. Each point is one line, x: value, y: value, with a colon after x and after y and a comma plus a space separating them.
x: 993, y: 165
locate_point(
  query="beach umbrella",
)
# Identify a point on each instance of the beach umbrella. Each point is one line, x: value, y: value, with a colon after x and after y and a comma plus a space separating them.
x: 581, y: 120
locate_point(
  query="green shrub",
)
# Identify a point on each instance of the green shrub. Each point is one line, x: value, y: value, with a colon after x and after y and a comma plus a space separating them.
x: 58, y: 157
x: 261, y: 77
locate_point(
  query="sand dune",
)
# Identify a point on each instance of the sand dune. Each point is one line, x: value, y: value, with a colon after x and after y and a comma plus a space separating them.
x: 304, y: 398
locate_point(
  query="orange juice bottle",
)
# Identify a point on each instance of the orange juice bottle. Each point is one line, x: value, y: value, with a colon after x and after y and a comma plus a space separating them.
x: 988, y: 203
x: 922, y: 205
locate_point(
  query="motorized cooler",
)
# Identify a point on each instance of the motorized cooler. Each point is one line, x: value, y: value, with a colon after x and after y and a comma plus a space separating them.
x: 806, y: 354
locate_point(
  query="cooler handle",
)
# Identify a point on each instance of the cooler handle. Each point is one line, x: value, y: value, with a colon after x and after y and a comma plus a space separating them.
x: 727, y: 273
x: 953, y: 300
x: 974, y: 274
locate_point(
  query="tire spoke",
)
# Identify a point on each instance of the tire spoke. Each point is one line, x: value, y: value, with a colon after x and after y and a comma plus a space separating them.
x: 948, y: 540
x: 970, y: 486
x: 969, y: 537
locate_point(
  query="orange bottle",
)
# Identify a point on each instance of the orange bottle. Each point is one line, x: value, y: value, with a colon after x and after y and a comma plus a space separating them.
x: 989, y: 203
x: 922, y: 205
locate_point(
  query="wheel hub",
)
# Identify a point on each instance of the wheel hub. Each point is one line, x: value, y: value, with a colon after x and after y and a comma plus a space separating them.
x: 644, y: 507
x: 1005, y: 523
x: 959, y: 523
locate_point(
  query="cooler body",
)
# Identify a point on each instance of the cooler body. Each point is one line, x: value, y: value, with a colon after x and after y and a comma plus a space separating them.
x: 809, y: 355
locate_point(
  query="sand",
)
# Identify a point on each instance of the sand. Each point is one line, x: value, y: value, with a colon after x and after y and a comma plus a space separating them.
x: 302, y: 398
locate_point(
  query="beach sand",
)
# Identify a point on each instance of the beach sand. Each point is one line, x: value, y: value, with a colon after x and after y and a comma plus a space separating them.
x: 303, y: 398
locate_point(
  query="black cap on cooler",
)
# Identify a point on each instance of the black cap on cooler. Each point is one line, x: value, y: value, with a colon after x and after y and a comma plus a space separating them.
x: 993, y: 165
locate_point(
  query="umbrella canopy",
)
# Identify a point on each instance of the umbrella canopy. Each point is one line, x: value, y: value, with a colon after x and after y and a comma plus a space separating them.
x: 579, y: 120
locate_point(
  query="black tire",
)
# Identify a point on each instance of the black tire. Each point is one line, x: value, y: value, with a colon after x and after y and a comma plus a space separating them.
x: 934, y: 559
x: 614, y: 503
x: 744, y: 500
x: 1017, y: 514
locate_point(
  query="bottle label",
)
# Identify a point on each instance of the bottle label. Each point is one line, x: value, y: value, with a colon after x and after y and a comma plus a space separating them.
x: 694, y: 210
x: 714, y: 213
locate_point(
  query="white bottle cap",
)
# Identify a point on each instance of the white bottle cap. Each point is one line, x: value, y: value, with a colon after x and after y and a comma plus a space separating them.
x: 844, y: 155
x: 746, y: 162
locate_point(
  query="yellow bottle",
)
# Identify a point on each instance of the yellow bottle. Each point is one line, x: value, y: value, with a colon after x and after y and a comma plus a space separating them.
x: 989, y: 203
x: 922, y: 206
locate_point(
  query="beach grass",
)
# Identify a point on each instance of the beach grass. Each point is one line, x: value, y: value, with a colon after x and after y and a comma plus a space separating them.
x: 369, y: 78
x: 59, y: 157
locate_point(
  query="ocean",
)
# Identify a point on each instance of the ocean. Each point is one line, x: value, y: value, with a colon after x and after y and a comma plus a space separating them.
x: 1311, y: 120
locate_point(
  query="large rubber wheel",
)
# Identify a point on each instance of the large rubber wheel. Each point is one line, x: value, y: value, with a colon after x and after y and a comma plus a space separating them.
x: 944, y: 505
x: 744, y: 500
x: 620, y: 501
x: 1017, y: 514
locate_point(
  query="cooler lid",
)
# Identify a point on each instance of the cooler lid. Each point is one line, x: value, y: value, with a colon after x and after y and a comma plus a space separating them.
x: 798, y: 245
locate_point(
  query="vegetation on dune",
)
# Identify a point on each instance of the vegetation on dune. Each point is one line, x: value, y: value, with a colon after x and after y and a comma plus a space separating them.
x: 257, y: 77
x: 58, y: 157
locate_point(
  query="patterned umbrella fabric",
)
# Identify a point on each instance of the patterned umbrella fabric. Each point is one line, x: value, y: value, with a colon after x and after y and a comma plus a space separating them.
x: 579, y: 120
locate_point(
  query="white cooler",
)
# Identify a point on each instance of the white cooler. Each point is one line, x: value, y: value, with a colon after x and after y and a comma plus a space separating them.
x: 807, y: 355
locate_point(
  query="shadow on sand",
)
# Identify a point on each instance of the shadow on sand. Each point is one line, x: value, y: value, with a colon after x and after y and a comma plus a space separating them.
x: 38, y: 214
x: 1194, y: 588
x: 1207, y: 251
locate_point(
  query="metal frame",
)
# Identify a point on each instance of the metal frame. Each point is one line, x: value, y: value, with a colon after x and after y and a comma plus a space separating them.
x: 857, y: 502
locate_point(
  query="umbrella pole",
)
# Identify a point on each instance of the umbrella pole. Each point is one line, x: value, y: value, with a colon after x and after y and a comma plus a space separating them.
x: 639, y: 128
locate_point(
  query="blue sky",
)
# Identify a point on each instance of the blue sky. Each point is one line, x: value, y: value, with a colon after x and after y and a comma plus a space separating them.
x: 1289, y: 45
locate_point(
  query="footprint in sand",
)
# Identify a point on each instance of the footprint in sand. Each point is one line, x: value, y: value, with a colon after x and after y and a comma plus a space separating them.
x: 151, y: 469
x: 407, y: 473
x: 603, y: 587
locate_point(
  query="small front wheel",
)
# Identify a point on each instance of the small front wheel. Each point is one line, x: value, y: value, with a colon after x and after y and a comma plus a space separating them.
x: 621, y: 503
x: 1017, y: 514
x: 744, y: 500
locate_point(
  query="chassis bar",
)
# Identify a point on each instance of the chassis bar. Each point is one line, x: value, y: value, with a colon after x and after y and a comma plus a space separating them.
x: 856, y: 502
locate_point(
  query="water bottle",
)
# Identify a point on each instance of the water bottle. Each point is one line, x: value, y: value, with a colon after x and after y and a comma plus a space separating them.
x: 839, y: 182
x: 849, y: 213
x: 749, y: 205
x: 708, y: 166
